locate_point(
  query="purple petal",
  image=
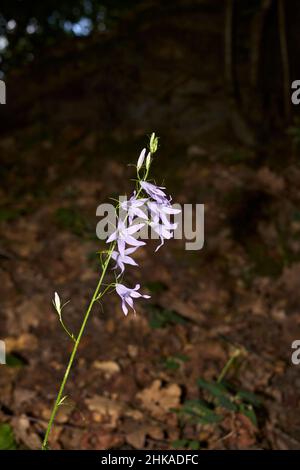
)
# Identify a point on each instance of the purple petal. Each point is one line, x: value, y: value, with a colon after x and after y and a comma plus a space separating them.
x: 124, y: 308
x: 129, y: 300
x: 121, y: 290
x: 129, y: 260
x: 162, y: 243
x: 133, y: 241
x: 121, y: 246
x: 112, y: 237
x: 135, y: 295
x: 139, y: 213
x: 129, y: 251
x: 134, y: 228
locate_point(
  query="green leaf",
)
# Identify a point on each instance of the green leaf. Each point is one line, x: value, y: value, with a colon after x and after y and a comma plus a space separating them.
x: 179, y: 443
x: 7, y: 440
x: 171, y: 363
x: 216, y: 389
x: 13, y: 360
x: 194, y: 445
x: 200, y: 412
x: 226, y: 403
x: 198, y: 405
x: 160, y: 318
x: 210, y: 419
x: 174, y: 362
x: 249, y: 397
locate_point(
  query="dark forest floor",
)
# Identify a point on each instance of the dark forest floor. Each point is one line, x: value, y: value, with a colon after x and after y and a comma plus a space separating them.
x: 237, y: 296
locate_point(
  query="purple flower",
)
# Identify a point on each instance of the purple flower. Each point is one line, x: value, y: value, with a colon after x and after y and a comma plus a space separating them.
x: 123, y: 235
x: 163, y: 232
x: 127, y: 295
x: 125, y: 259
x: 155, y: 192
x: 160, y: 222
x: 133, y: 207
x: 161, y: 212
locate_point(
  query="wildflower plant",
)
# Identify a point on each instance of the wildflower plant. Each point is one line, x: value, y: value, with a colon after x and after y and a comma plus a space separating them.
x: 148, y: 205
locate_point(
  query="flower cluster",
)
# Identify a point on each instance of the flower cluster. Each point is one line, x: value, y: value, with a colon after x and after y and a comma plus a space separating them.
x: 150, y: 205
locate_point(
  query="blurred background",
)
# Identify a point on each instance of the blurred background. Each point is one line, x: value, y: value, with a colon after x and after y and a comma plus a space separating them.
x: 206, y: 363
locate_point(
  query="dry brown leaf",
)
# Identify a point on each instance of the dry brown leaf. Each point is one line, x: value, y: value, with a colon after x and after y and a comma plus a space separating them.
x: 108, y: 367
x: 160, y: 399
x: 25, y: 341
x: 137, y: 437
x: 24, y: 433
x: 106, y: 408
x: 23, y: 395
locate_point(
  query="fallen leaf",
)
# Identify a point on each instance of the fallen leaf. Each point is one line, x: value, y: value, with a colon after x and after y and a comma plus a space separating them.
x: 24, y: 433
x: 108, y: 367
x: 25, y: 341
x: 159, y: 399
x: 105, y: 408
x: 137, y: 437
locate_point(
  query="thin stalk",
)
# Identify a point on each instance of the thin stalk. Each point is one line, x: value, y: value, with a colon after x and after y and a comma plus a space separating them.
x: 228, y: 364
x: 73, y: 354
x: 96, y: 296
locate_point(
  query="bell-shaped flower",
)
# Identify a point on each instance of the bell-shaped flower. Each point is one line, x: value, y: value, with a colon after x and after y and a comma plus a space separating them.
x: 125, y: 259
x: 155, y: 192
x: 127, y: 295
x: 133, y: 207
x: 160, y: 212
x: 164, y: 233
x: 123, y: 235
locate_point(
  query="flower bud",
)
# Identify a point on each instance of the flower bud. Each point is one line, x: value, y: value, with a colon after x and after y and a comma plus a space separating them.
x: 57, y: 303
x: 153, y: 143
x: 148, y: 161
x: 141, y: 159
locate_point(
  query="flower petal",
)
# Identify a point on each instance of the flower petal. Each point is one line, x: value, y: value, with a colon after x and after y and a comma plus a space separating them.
x: 124, y: 308
x: 112, y: 237
x: 133, y: 228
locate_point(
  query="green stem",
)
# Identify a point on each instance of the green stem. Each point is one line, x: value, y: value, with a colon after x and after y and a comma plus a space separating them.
x: 228, y: 364
x: 95, y: 297
x: 73, y: 354
x: 66, y: 330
